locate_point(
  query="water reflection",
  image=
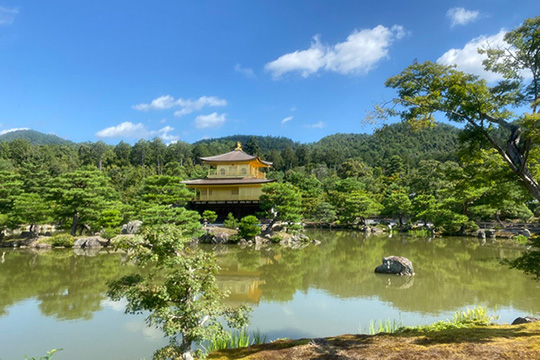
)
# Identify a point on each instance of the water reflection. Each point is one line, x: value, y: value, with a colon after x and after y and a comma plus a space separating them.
x: 451, y: 273
x: 66, y: 285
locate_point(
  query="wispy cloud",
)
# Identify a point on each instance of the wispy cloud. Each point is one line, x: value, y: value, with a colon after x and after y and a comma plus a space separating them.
x: 358, y: 54
x: 7, y: 15
x: 318, y: 125
x: 212, y: 120
x: 287, y: 119
x: 248, y: 72
x: 186, y: 106
x: 461, y: 16
x: 129, y: 130
x: 2, y: 132
x: 468, y: 59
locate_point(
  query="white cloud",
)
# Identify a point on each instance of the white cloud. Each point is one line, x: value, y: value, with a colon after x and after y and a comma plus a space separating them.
x: 7, y: 15
x: 2, y: 132
x: 161, y: 103
x: 318, y: 125
x: 130, y: 130
x: 248, y: 72
x: 469, y: 60
x: 212, y: 120
x: 164, y: 133
x: 127, y: 129
x: 461, y: 16
x: 306, y: 61
x: 287, y: 119
x: 186, y: 106
x: 358, y: 54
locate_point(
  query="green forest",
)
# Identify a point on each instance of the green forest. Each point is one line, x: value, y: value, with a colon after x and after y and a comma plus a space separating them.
x: 432, y: 175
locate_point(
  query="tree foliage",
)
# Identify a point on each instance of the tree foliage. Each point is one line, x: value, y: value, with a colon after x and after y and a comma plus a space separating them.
x: 180, y: 291
x: 426, y: 88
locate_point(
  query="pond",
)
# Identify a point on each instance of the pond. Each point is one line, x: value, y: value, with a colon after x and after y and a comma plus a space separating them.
x: 56, y: 299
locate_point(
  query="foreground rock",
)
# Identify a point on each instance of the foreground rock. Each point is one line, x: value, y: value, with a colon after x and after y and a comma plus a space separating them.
x: 397, y: 265
x: 524, y: 320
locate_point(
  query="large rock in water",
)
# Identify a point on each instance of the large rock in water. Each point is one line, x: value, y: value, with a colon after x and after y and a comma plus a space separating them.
x: 398, y: 265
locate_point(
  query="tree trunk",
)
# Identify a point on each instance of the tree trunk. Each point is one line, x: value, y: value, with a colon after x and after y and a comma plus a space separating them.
x: 75, y: 224
x: 186, y: 349
x: 516, y: 155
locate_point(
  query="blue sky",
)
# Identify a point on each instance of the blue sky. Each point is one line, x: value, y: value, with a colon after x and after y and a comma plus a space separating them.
x: 188, y: 70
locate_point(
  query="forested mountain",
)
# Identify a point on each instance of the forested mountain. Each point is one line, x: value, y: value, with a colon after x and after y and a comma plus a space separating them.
x: 438, y: 143
x: 266, y: 143
x: 34, y: 137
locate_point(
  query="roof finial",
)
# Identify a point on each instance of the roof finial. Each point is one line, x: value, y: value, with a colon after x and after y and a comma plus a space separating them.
x: 238, y: 146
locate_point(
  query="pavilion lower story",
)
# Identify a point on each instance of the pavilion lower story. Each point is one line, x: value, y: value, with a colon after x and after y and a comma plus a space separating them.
x: 222, y: 208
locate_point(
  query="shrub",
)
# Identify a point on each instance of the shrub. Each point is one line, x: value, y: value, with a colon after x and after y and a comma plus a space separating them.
x: 276, y: 238
x: 210, y: 216
x: 230, y: 222
x: 249, y: 227
x: 65, y: 240
x: 109, y: 233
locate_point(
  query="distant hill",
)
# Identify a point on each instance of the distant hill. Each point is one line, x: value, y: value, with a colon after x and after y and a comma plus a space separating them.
x: 34, y: 137
x: 266, y: 143
x: 439, y: 143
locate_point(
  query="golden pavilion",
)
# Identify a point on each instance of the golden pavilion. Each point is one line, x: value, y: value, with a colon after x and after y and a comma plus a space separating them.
x: 236, y: 182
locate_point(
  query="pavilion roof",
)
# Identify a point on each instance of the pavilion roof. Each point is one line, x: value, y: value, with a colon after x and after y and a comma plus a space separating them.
x: 237, y: 155
x: 244, y: 181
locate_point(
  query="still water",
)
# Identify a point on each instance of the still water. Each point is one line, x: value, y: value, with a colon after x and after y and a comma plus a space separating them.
x: 56, y: 299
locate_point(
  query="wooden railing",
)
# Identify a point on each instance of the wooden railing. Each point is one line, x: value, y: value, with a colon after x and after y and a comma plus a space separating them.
x: 235, y: 174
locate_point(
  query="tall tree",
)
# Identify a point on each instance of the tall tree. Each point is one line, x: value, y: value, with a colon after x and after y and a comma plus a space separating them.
x: 282, y: 202
x: 424, y: 89
x: 81, y: 196
x: 165, y: 190
x: 252, y: 146
x: 31, y: 209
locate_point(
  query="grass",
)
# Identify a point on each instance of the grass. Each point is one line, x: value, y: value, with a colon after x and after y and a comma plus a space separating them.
x: 521, y: 239
x: 234, y: 340
x: 477, y: 316
x: 388, y: 326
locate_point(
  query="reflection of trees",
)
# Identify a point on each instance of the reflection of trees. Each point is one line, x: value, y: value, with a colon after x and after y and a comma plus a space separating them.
x: 451, y: 272
x: 67, y: 286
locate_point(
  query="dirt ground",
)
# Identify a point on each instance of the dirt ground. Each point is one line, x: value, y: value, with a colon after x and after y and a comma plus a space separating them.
x: 491, y: 342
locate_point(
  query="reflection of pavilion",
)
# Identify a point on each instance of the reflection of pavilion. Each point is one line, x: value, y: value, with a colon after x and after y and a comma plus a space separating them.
x: 241, y: 289
x: 243, y: 285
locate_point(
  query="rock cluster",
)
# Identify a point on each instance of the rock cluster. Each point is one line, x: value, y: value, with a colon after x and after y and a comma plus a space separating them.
x: 131, y: 227
x: 91, y: 242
